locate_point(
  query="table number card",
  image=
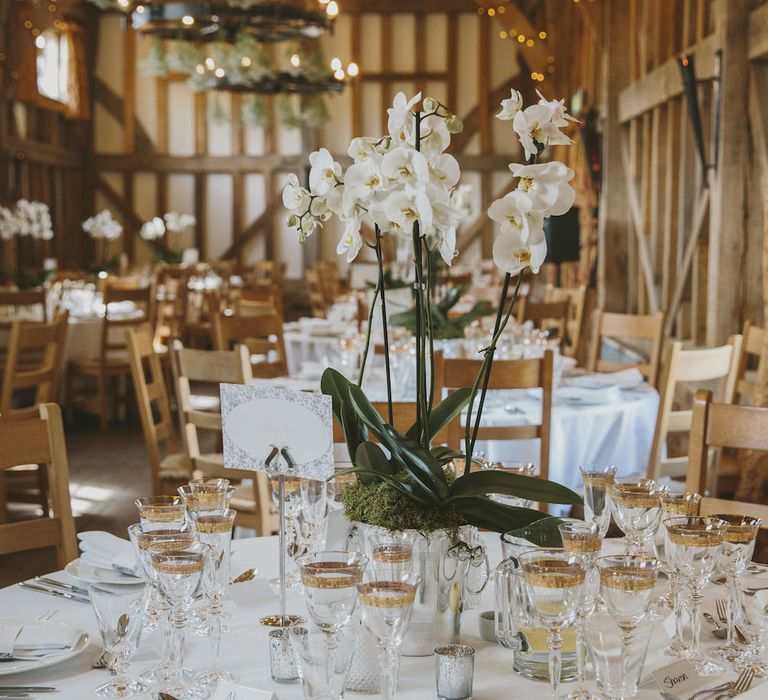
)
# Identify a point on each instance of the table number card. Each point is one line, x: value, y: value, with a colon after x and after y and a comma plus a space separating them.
x: 258, y: 419
x: 233, y: 691
x: 679, y: 679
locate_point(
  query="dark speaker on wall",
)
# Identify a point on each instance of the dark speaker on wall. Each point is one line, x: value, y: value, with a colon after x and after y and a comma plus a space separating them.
x: 562, y: 234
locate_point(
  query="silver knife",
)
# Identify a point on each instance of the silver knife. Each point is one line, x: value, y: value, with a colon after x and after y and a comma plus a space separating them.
x: 27, y: 689
x: 53, y: 591
x: 60, y: 584
x: 13, y: 694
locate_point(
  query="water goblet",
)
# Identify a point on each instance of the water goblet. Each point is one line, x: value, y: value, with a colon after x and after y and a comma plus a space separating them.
x: 322, y: 661
x: 314, y: 513
x: 554, y: 580
x: 626, y: 587
x: 391, y: 554
x: 199, y: 499
x: 694, y: 546
x: 119, y: 613
x: 179, y: 577
x: 738, y: 547
x: 756, y: 628
x: 161, y: 512
x: 215, y: 530
x: 636, y: 507
x: 386, y: 608
x: 583, y: 540
x: 521, y: 468
x: 597, y: 483
x: 209, y: 485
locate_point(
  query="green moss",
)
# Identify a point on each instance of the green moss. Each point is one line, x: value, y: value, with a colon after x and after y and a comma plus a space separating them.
x: 383, y: 506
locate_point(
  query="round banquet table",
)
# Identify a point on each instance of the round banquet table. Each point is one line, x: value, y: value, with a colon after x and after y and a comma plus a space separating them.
x: 245, y: 648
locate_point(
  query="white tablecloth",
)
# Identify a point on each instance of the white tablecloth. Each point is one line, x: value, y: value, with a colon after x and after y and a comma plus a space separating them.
x: 245, y: 648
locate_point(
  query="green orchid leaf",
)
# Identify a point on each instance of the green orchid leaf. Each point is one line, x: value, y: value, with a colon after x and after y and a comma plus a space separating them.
x: 443, y: 413
x: 336, y: 385
x: 487, y: 481
x: 370, y: 456
x: 418, y: 461
x: 444, y: 454
x: 403, y: 486
x: 498, y: 517
x: 353, y: 428
x: 542, y: 533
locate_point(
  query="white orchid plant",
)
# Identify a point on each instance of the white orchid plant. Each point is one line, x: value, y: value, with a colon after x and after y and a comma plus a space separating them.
x: 103, y: 226
x: 403, y: 184
x: 26, y: 219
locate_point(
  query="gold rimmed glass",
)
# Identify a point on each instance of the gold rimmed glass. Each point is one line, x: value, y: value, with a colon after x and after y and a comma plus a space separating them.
x: 694, y: 546
x: 738, y: 548
x: 386, y: 608
x: 202, y: 500
x: 597, y: 482
x: 391, y: 554
x: 683, y: 503
x: 215, y: 530
x: 583, y: 540
x: 209, y: 485
x: 554, y: 581
x: 161, y: 512
x: 636, y: 507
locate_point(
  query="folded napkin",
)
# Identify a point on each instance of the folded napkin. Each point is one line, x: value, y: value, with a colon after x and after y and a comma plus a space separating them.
x: 624, y: 379
x: 578, y: 395
x: 30, y: 642
x: 105, y: 551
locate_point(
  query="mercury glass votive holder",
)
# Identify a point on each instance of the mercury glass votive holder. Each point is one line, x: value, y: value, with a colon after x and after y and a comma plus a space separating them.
x: 282, y: 660
x: 454, y: 671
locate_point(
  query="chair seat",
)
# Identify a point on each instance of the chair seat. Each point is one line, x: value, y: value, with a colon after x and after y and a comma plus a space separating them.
x: 112, y: 365
x: 175, y: 467
x: 201, y: 402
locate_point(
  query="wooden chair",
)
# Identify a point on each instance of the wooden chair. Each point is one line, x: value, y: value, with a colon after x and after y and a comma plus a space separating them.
x: 169, y: 468
x: 262, y: 293
x: 576, y: 296
x: 630, y: 326
x: 171, y: 315
x: 689, y: 366
x: 546, y: 315
x: 508, y: 374
x: 112, y: 361
x: 330, y: 283
x: 40, y: 441
x: 15, y: 302
x: 203, y: 306
x: 751, y: 382
x: 722, y: 425
x: 252, y: 499
x: 262, y: 335
x: 317, y: 304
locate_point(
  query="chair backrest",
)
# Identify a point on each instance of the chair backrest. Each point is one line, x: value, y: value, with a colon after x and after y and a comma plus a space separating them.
x: 689, y: 366
x: 172, y: 285
x: 509, y: 374
x: 547, y: 315
x: 15, y: 301
x: 262, y: 335
x: 723, y: 425
x: 329, y: 281
x: 576, y: 296
x: 40, y: 441
x: 33, y: 366
x: 245, y: 307
x: 632, y: 326
x: 117, y: 321
x: 752, y: 383
x: 152, y: 399
x: 263, y: 293
x: 317, y: 303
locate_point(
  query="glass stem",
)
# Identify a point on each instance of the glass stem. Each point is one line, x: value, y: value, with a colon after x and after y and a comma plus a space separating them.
x: 729, y: 611
x: 216, y: 612
x: 581, y: 651
x: 696, y: 600
x: 388, y: 658
x: 555, y: 642
x: 178, y: 622
x: 678, y: 606
x: 330, y: 643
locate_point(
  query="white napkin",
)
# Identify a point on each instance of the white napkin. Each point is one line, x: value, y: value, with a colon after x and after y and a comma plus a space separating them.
x: 29, y: 642
x: 624, y: 379
x: 578, y: 395
x: 105, y: 551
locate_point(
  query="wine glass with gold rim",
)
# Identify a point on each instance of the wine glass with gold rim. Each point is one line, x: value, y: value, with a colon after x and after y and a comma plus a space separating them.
x: 597, y: 483
x: 636, y: 506
x: 161, y: 512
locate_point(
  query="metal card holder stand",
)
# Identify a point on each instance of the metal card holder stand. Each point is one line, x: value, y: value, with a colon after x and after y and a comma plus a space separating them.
x: 282, y: 619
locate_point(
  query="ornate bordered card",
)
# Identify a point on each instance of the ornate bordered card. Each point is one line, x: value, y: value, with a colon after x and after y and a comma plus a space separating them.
x: 257, y: 419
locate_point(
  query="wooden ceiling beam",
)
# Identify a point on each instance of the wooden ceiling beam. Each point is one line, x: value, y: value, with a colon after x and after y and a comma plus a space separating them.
x: 387, y: 7
x: 515, y: 21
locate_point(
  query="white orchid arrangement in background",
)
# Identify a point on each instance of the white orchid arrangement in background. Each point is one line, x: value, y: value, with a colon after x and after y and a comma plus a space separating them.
x: 153, y: 230
x: 179, y: 223
x: 103, y: 227
x: 26, y: 219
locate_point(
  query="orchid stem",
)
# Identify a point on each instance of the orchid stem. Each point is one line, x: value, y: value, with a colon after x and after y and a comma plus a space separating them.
x: 384, y: 324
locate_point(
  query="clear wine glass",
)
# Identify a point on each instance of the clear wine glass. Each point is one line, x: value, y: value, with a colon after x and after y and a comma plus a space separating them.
x: 683, y: 503
x: 756, y: 629
x: 386, y: 608
x: 582, y: 540
x: 695, y: 546
x: 161, y: 512
x: 636, y: 507
x: 198, y: 499
x: 179, y: 577
x: 554, y: 580
x: 119, y: 613
x: 521, y: 468
x: 215, y: 530
x: 391, y: 554
x: 597, y: 483
x: 738, y: 548
x: 314, y: 513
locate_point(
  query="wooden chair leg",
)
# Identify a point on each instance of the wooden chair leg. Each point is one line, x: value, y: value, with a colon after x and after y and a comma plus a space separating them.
x: 3, y: 500
x: 42, y: 485
x: 104, y: 415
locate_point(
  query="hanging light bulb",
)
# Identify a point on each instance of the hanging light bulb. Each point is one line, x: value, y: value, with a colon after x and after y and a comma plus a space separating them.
x: 352, y: 70
x: 219, y: 72
x: 295, y: 60
x: 335, y: 64
x: 40, y: 41
x: 332, y: 8
x: 200, y: 69
x: 140, y: 9
x: 210, y: 64
x: 339, y: 74
x: 245, y: 61
x: 187, y: 20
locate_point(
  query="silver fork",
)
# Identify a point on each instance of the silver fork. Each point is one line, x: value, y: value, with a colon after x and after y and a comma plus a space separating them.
x: 47, y: 615
x: 722, y: 613
x: 231, y: 695
x: 741, y: 685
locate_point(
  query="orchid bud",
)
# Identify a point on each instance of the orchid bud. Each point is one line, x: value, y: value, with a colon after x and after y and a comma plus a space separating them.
x: 293, y: 221
x: 430, y: 104
x: 454, y: 124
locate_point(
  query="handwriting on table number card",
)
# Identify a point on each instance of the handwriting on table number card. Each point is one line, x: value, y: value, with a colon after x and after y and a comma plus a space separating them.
x: 228, y: 691
x: 679, y: 679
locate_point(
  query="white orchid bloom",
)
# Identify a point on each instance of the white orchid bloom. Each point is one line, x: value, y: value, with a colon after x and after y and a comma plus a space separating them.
x: 514, y: 213
x: 362, y: 148
x: 511, y: 106
x: 558, y: 115
x: 351, y: 241
x: 153, y: 229
x: 325, y: 172
x: 295, y: 197
x: 546, y: 185
x: 364, y: 179
x: 435, y: 136
x: 403, y: 210
x: 512, y: 254
x: 445, y: 220
x: 445, y: 170
x: 178, y: 223
x: 406, y: 166
x: 534, y: 127
x: 400, y: 121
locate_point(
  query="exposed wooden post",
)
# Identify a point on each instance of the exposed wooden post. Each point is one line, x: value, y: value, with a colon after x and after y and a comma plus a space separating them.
x: 612, y: 230
x: 727, y: 219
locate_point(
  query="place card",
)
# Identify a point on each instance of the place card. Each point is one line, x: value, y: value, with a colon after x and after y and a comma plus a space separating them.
x: 233, y: 691
x: 257, y: 420
x: 679, y: 678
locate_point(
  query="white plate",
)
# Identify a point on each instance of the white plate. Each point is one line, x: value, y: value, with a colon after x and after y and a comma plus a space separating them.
x: 8, y: 667
x: 93, y: 574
